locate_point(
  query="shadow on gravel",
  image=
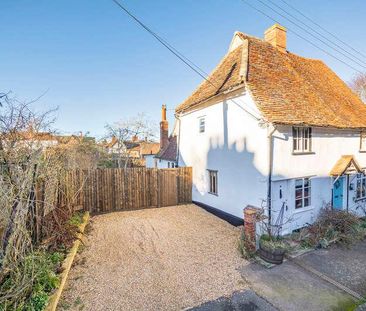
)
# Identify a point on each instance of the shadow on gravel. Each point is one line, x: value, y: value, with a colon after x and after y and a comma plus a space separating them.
x: 239, y: 301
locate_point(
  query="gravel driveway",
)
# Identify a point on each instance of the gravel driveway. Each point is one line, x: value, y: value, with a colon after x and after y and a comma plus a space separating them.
x: 166, y: 258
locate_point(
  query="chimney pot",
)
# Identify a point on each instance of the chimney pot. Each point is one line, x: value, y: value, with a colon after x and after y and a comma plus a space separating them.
x: 163, y: 113
x: 164, y: 128
x: 276, y: 35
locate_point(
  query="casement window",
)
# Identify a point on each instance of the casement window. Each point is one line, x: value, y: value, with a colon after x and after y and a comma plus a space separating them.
x: 213, y: 181
x: 301, y: 139
x: 202, y: 125
x: 302, y: 192
x: 363, y: 141
x: 361, y: 186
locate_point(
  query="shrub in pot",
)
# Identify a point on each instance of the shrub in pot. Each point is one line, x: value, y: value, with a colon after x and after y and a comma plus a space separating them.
x: 272, y: 249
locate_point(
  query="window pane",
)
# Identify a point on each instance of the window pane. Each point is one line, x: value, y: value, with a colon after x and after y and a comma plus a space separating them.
x: 295, y: 138
x: 298, y: 194
x: 306, y: 201
x: 306, y: 192
x: 298, y: 183
x: 363, y: 190
x: 358, y: 187
x: 201, y: 125
x: 306, y: 182
x: 298, y: 203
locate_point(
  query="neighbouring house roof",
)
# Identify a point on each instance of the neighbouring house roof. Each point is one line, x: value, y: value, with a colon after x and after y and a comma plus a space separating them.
x: 169, y: 153
x: 149, y: 148
x: 345, y: 165
x: 143, y: 147
x: 113, y: 141
x: 287, y: 88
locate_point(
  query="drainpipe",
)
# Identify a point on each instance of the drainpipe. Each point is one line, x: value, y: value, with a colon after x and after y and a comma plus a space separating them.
x: 178, y: 140
x: 347, y: 177
x: 270, y: 169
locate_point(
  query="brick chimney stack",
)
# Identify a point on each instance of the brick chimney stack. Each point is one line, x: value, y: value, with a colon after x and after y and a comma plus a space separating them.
x: 276, y: 35
x: 164, y: 128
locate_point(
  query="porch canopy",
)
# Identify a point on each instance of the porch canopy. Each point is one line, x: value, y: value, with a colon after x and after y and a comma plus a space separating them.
x: 346, y: 165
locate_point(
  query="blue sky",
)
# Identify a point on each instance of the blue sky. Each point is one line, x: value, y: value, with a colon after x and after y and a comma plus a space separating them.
x: 99, y: 66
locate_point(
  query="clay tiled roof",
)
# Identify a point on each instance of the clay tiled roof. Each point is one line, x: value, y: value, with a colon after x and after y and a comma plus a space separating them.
x: 345, y: 164
x: 287, y: 89
x: 170, y: 152
x: 225, y: 76
x: 149, y: 148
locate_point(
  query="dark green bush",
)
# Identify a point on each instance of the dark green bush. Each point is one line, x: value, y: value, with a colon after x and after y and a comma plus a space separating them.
x: 36, y: 275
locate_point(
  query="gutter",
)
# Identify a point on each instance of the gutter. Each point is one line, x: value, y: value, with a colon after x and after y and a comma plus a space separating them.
x: 270, y: 169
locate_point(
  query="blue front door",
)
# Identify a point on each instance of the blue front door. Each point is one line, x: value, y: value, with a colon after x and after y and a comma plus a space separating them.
x: 338, y: 194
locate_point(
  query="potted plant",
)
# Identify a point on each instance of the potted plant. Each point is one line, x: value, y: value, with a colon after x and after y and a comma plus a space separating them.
x: 272, y: 249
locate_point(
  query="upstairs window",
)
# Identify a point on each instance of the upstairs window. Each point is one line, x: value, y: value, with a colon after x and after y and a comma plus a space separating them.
x: 301, y: 139
x: 361, y: 186
x: 302, y: 192
x: 363, y: 141
x: 202, y: 125
x: 213, y: 181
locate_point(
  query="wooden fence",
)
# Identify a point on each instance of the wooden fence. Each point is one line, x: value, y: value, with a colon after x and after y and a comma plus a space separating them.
x: 105, y: 190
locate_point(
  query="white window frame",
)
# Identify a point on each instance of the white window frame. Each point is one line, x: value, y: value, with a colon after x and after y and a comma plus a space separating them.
x: 360, y: 186
x: 201, y: 125
x: 301, y: 185
x: 301, y: 139
x: 213, y: 183
x: 363, y: 141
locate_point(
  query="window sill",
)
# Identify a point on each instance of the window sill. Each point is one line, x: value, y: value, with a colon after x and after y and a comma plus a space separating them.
x: 215, y: 194
x: 302, y: 152
x: 360, y: 199
x: 362, y: 151
x: 303, y: 209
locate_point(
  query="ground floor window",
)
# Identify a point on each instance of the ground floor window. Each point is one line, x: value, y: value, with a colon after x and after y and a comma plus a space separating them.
x: 213, y: 181
x: 361, y: 186
x: 302, y: 192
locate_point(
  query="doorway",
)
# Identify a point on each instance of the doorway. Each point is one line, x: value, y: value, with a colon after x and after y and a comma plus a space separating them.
x: 338, y: 193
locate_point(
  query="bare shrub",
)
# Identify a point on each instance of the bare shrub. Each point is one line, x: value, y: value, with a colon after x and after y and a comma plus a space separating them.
x: 33, y: 218
x: 333, y: 226
x: 124, y: 132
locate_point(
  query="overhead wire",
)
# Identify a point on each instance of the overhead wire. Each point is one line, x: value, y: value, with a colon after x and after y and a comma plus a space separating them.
x: 309, y: 33
x: 301, y: 36
x: 324, y: 29
x: 178, y: 54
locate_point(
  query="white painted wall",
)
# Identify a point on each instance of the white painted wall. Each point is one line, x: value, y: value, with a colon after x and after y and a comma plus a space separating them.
x: 236, y: 145
x: 328, y: 145
x: 233, y: 144
x: 152, y: 162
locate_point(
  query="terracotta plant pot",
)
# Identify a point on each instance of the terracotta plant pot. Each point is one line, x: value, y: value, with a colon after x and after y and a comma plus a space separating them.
x: 271, y: 255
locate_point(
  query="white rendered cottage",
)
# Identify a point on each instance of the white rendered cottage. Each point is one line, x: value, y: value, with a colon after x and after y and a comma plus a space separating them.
x: 274, y: 127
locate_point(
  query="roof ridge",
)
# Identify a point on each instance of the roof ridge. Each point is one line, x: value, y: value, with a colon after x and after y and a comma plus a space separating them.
x: 222, y: 60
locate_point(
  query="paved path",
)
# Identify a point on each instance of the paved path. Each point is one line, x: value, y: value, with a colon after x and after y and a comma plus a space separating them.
x: 155, y: 259
x: 289, y: 287
x: 344, y: 265
x: 240, y: 301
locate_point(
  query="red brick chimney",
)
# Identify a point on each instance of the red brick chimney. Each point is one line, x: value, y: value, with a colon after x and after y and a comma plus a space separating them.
x: 276, y: 35
x: 163, y: 128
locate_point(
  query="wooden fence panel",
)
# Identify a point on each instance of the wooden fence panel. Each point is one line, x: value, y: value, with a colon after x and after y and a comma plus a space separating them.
x: 106, y: 190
